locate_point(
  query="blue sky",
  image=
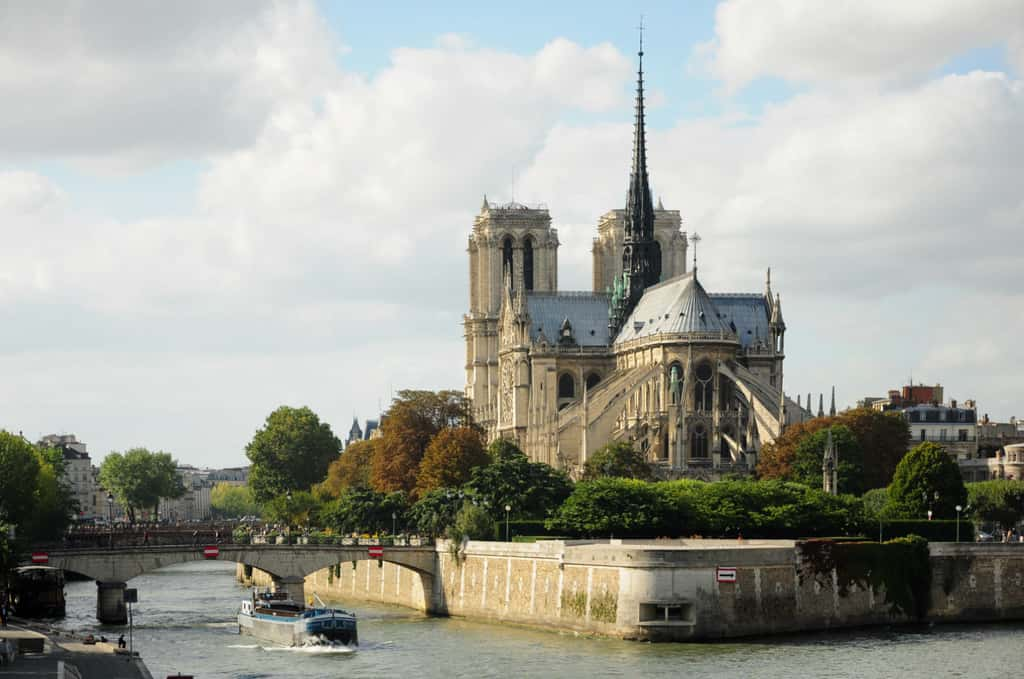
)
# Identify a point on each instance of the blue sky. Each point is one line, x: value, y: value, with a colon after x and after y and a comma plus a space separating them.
x: 213, y: 209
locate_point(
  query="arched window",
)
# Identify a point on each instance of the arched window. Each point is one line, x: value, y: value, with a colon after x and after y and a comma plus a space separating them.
x: 528, y: 263
x: 699, y: 442
x: 675, y: 383
x: 566, y: 386
x: 702, y: 389
x: 506, y: 259
x: 593, y: 379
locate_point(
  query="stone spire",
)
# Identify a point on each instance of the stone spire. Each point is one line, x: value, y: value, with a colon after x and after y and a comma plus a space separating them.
x: 641, y: 255
x: 821, y: 405
x: 830, y: 467
x: 832, y: 408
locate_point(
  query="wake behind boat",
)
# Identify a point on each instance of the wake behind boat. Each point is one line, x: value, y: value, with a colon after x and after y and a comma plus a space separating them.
x: 274, y: 617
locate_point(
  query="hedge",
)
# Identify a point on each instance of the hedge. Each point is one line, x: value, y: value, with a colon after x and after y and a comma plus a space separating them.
x: 523, y: 527
x: 934, y: 531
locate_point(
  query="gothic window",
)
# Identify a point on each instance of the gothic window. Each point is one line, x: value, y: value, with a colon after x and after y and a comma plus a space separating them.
x: 506, y: 258
x: 528, y: 263
x: 593, y: 379
x: 699, y: 442
x: 566, y: 389
x: 702, y: 389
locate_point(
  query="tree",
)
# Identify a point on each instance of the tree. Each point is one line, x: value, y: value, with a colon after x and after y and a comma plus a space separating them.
x: 450, y: 459
x: 19, y: 472
x: 881, y: 439
x: 532, y: 489
x: 610, y: 506
x: 435, y: 511
x: 350, y: 470
x: 364, y: 510
x: 139, y: 478
x: 53, y: 507
x: 999, y: 501
x: 618, y: 459
x: 927, y: 478
x: 298, y: 508
x: 473, y: 523
x: 810, y: 451
x: 291, y: 452
x: 232, y: 501
x: 408, y: 426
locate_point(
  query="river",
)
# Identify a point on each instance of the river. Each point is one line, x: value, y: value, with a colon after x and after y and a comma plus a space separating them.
x: 184, y: 621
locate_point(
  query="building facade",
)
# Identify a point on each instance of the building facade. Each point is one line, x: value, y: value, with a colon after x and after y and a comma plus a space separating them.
x: 693, y: 379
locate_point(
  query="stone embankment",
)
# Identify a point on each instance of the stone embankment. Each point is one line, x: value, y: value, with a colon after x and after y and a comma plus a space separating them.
x: 677, y: 589
x: 31, y: 650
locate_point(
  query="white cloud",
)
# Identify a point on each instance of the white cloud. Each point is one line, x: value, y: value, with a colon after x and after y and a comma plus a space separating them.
x: 808, y: 41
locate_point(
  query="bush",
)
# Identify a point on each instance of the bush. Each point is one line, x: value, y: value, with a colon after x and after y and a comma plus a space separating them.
x: 472, y: 522
x: 933, y: 531
x: 521, y: 527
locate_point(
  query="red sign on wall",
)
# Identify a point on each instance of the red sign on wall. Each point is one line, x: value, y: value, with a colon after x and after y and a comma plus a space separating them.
x: 211, y: 551
x: 40, y: 558
x: 376, y: 552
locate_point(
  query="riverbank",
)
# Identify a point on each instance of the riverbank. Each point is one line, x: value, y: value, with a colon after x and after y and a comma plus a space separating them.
x: 46, y: 651
x: 691, y: 590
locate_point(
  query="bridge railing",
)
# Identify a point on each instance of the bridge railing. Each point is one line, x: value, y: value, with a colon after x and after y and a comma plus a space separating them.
x: 324, y: 539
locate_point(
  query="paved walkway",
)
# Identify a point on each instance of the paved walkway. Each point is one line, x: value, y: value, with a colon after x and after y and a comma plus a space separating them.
x: 92, y: 661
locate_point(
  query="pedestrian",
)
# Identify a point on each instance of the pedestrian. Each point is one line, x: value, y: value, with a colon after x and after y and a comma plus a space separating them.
x: 145, y: 538
x: 195, y: 537
x: 121, y: 643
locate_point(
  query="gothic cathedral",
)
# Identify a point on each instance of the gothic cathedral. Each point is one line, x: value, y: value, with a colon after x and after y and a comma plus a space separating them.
x: 693, y: 379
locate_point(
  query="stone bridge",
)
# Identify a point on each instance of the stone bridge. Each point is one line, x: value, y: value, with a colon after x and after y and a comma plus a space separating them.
x: 288, y: 565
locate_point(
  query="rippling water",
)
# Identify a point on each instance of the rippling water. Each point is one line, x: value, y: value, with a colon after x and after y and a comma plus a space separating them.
x: 184, y: 621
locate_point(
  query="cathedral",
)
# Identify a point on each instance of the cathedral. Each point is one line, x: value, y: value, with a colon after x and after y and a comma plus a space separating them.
x: 693, y: 379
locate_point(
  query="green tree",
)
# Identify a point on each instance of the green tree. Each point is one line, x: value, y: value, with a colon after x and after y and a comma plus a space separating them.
x: 999, y: 501
x: 810, y: 451
x: 232, y: 502
x: 298, y: 508
x: 531, y: 489
x: 927, y: 478
x: 617, y: 459
x: 408, y: 426
x: 450, y: 459
x: 613, y: 506
x: 350, y: 470
x: 292, y: 451
x: 363, y: 510
x: 19, y: 473
x: 473, y: 522
x: 139, y: 478
x: 435, y: 511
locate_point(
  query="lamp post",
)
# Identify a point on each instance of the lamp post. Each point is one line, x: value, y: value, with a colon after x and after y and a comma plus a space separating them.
x: 508, y: 508
x: 394, y: 518
x: 110, y: 517
x: 958, y: 510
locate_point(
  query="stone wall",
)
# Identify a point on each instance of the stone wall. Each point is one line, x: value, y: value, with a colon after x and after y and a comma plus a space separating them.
x: 670, y: 590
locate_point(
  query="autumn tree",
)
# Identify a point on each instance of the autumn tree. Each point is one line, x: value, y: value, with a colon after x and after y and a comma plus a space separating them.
x: 881, y: 439
x: 408, y: 426
x: 232, y: 501
x: 350, y: 470
x: 291, y: 452
x: 450, y: 459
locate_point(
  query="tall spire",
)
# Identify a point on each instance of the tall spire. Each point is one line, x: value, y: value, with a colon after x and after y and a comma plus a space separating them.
x: 832, y: 409
x: 641, y: 254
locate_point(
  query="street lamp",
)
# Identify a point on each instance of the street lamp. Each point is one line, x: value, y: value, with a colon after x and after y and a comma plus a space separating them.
x: 958, y: 510
x: 394, y: 518
x: 508, y: 508
x: 110, y: 517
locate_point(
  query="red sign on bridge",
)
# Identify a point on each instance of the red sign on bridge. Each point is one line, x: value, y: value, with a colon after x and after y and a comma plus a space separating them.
x: 40, y: 558
x: 376, y: 552
x: 211, y: 551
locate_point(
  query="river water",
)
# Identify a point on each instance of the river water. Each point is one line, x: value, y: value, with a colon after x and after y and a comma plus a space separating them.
x: 184, y: 621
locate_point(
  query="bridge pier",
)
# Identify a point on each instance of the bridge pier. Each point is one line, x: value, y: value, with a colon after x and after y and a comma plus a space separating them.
x: 110, y: 606
x: 294, y: 585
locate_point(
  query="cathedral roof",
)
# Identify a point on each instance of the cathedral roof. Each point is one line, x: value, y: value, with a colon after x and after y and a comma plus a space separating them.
x: 679, y: 305
x: 747, y: 312
x: 586, y: 312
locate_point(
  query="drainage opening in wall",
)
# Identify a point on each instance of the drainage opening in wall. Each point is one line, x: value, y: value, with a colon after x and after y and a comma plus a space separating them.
x: 666, y: 613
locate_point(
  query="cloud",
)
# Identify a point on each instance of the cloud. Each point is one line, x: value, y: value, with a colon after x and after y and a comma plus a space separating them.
x: 825, y: 43
x: 143, y: 82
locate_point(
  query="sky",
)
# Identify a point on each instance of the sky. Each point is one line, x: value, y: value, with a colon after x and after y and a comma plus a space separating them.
x: 209, y: 210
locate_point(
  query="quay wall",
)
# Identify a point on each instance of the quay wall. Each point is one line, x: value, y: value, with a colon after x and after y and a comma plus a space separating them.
x: 671, y: 590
